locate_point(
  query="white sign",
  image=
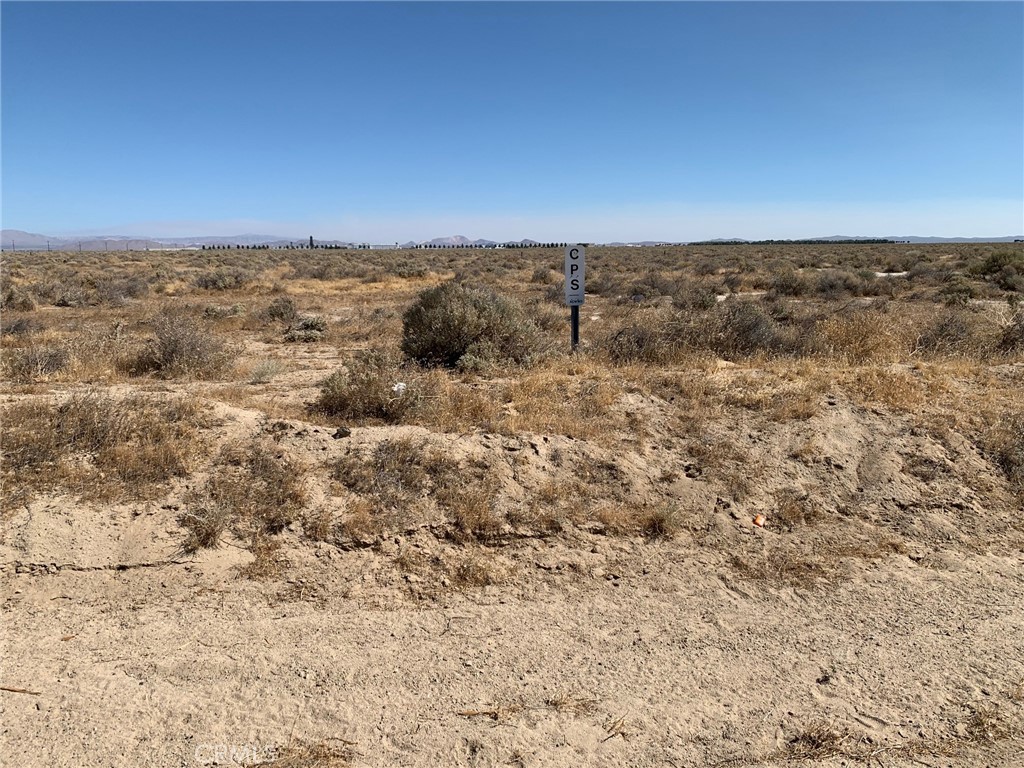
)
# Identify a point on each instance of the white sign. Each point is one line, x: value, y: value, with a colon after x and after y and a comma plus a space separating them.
x: 575, y: 270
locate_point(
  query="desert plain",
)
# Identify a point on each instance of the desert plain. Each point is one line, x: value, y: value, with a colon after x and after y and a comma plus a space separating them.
x: 329, y: 507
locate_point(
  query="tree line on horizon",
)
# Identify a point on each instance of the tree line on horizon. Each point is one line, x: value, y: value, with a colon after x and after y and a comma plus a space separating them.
x: 365, y: 246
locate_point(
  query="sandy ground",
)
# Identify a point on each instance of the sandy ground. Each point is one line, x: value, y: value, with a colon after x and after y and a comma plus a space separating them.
x: 595, y: 650
x: 662, y: 661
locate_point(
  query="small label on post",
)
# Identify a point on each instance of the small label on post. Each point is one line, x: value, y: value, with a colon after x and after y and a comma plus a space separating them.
x: 575, y: 271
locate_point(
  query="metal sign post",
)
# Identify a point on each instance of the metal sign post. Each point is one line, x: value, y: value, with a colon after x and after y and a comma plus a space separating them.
x: 575, y: 272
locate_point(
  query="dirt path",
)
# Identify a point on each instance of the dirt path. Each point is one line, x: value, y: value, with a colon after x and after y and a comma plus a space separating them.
x: 658, y: 658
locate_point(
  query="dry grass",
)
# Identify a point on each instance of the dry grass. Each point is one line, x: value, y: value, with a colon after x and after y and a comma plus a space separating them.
x: 823, y: 562
x: 552, y: 402
x: 895, y: 388
x: 862, y: 337
x: 574, y: 704
x: 617, y: 518
x: 268, y: 561
x: 470, y: 507
x: 318, y: 524
x: 393, y: 474
x: 98, y: 446
x: 266, y: 371
x: 477, y: 569
x: 660, y: 522
x: 335, y: 753
x: 254, y: 489
x: 820, y: 740
x: 822, y: 336
x: 985, y: 724
x: 452, y: 406
x: 181, y: 347
x: 784, y: 566
x: 655, y: 522
x: 360, y: 525
x: 794, y: 508
x: 1003, y: 440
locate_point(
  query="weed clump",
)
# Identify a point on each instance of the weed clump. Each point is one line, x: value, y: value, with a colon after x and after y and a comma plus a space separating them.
x: 280, y: 309
x: 743, y: 329
x: 949, y: 334
x: 373, y: 385
x: 255, y: 490
x: 1003, y: 441
x: 307, y: 328
x: 662, y: 522
x: 863, y: 336
x: 180, y: 346
x: 224, y: 279
x: 1000, y: 264
x: 638, y: 343
x: 17, y: 299
x: 393, y: 474
x: 1012, y: 337
x: 35, y: 362
x: 457, y: 326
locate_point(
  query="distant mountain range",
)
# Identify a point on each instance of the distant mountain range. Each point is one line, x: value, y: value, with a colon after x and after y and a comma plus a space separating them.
x: 16, y: 239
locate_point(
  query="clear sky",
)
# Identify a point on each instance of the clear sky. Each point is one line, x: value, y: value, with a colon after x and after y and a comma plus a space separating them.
x: 555, y: 121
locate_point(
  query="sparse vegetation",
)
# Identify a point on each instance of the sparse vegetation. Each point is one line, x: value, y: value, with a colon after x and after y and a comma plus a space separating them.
x: 373, y: 385
x: 255, y: 491
x: 763, y: 427
x: 182, y: 347
x: 98, y: 446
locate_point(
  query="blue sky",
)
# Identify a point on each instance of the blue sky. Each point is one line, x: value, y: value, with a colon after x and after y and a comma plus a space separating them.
x: 557, y: 121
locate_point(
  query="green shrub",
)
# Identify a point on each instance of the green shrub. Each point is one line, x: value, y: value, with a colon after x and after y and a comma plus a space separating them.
x: 789, y: 283
x: 216, y: 312
x: 454, y: 325
x: 311, y: 323
x: 1010, y: 278
x: 117, y: 290
x: 834, y: 284
x: 689, y: 295
x: 543, y: 275
x: 652, y: 285
x: 957, y: 292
